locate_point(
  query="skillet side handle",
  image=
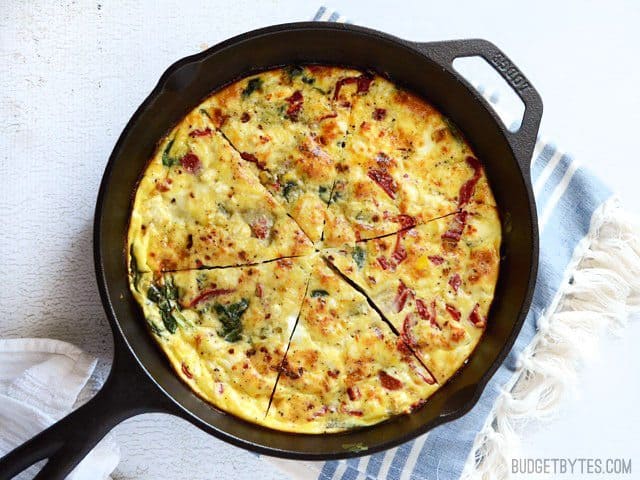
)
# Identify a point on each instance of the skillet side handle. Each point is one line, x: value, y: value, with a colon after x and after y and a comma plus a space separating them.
x: 126, y: 393
x: 524, y: 139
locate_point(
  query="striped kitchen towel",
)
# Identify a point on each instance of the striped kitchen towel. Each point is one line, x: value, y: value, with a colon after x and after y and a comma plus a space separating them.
x: 588, y: 281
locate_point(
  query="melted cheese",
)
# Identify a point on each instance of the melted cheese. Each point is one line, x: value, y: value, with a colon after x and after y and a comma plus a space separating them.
x: 263, y: 206
x: 344, y: 368
x: 212, y: 213
x: 291, y: 131
x: 234, y: 369
x: 405, y: 158
x: 437, y: 292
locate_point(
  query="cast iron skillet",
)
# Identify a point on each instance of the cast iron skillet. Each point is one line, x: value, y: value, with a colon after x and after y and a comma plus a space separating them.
x: 141, y: 380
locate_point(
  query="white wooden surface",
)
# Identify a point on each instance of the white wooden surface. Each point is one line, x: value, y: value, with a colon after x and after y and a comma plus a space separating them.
x: 72, y: 73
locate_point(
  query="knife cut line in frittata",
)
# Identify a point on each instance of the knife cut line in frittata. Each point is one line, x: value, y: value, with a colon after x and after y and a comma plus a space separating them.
x: 284, y: 358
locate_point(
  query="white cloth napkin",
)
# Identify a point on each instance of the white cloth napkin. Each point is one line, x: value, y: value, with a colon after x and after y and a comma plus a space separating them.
x: 41, y: 381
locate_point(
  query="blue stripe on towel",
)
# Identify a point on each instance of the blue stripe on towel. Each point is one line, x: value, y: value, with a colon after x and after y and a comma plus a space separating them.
x: 542, y: 196
x: 375, y: 462
x: 319, y: 14
x: 328, y: 470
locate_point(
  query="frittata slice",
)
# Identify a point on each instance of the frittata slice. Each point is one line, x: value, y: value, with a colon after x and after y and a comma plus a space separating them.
x: 434, y: 283
x: 404, y: 159
x: 286, y: 126
x: 344, y: 368
x: 199, y: 205
x: 225, y: 331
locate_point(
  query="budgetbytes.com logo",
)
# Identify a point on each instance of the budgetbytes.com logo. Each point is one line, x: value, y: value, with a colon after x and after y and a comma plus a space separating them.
x: 571, y: 466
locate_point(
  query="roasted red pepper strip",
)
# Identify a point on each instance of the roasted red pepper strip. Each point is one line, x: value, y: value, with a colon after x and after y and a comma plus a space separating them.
x: 191, y: 163
x: 212, y: 292
x: 456, y: 227
x: 340, y: 83
x: 384, y: 263
x: 363, y: 81
x: 476, y: 318
x: 386, y: 181
x: 185, y: 370
x: 405, y: 221
x: 327, y: 116
x: 295, y: 105
x: 427, y: 312
x: 250, y: 157
x: 403, y: 347
x: 389, y: 382
x: 401, y: 298
x: 318, y: 413
x: 454, y: 312
x: 455, y: 281
x: 466, y: 191
x: 200, y: 133
x: 436, y: 259
x: 353, y: 392
x: 406, y: 335
x: 399, y: 254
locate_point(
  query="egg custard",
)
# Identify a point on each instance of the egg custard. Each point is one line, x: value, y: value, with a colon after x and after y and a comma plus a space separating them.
x: 315, y: 249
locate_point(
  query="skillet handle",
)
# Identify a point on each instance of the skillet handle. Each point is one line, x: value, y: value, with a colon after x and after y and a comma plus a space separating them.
x: 524, y: 139
x: 126, y: 393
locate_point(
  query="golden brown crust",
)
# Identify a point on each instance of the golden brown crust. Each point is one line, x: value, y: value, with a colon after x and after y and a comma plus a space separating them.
x: 262, y: 176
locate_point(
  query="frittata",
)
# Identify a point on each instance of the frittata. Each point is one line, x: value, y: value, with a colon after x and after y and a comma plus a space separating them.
x: 315, y: 249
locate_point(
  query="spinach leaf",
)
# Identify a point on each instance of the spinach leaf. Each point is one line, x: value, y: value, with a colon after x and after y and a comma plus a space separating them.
x: 359, y: 256
x: 252, y: 85
x: 154, y: 294
x: 205, y: 113
x: 293, y: 71
x: 167, y: 159
x: 169, y: 321
x: 323, y: 193
x: 229, y: 315
x: 289, y: 190
x: 133, y: 267
x: 166, y: 297
x: 319, y: 293
x: 180, y: 318
x: 170, y: 290
x: 308, y: 80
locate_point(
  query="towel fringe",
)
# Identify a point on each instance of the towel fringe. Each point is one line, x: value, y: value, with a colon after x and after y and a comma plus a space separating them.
x: 599, y: 291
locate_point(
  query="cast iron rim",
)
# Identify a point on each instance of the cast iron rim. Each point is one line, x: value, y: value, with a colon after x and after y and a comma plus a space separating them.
x: 219, y: 433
